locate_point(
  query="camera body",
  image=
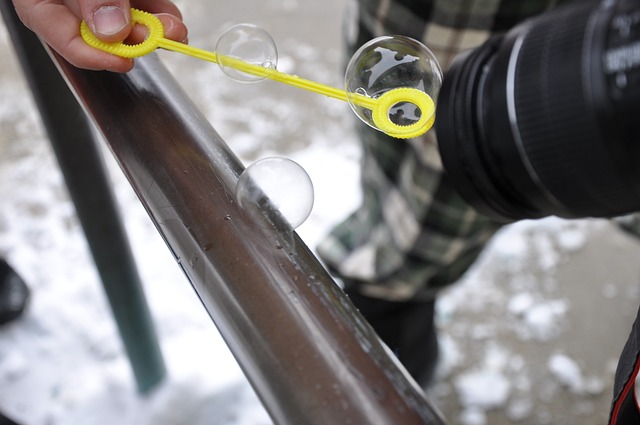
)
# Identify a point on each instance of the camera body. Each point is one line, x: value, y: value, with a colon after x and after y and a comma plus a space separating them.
x: 543, y: 120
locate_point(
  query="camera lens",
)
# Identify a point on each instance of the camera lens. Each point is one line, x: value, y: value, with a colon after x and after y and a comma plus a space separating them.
x: 538, y: 121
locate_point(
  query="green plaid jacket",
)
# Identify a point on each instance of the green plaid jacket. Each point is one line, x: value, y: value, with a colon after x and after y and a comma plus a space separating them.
x: 413, y: 234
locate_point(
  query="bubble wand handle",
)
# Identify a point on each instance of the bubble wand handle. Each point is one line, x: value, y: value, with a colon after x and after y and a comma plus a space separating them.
x: 379, y: 106
x: 266, y: 72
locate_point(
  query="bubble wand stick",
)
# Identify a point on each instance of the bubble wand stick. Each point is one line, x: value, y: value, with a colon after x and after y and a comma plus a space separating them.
x: 379, y: 106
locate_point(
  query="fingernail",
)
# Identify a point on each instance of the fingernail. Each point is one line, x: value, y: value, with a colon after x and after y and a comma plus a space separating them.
x: 109, y: 20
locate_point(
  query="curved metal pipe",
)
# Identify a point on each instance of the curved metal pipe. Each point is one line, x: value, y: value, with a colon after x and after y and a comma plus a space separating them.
x: 309, y: 355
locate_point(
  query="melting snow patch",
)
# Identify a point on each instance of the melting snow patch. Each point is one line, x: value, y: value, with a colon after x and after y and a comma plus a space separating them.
x: 539, y: 320
x: 510, y: 243
x: 543, y: 318
x: 566, y: 371
x: 450, y: 355
x: 572, y: 238
x: 484, y: 388
x: 520, y: 303
x: 13, y: 366
x: 473, y: 416
x: 569, y: 374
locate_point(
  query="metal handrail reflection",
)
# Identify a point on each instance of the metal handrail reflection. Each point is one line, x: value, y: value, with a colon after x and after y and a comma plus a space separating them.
x: 310, y: 356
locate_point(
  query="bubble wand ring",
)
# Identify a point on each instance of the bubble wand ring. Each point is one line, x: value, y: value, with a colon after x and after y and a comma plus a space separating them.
x: 151, y: 43
x: 379, y: 106
x: 380, y: 113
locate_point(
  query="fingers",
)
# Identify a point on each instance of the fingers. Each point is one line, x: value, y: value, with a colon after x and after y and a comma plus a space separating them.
x: 168, y: 13
x: 109, y: 20
x: 57, y: 22
x: 58, y: 26
x: 174, y: 29
x: 157, y: 7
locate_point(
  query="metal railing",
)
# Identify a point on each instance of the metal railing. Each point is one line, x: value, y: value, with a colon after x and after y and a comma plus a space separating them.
x: 309, y: 355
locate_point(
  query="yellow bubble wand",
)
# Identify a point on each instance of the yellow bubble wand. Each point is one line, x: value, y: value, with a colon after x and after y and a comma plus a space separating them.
x: 379, y: 106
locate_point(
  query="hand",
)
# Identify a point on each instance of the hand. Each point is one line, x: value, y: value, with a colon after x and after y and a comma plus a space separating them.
x: 57, y: 22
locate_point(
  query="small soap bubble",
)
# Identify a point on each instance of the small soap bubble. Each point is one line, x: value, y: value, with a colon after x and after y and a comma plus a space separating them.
x: 250, y: 44
x: 387, y: 63
x: 279, y: 183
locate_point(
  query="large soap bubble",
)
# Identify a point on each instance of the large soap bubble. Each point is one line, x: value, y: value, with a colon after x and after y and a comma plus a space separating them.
x: 250, y: 44
x: 385, y: 64
x: 279, y: 183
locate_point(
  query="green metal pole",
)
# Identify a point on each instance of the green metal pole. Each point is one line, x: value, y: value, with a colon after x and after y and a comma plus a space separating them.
x: 77, y: 152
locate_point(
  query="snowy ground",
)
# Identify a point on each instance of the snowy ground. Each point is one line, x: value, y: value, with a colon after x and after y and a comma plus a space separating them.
x: 531, y: 335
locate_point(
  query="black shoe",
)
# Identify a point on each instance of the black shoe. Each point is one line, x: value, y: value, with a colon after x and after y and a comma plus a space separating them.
x: 6, y: 421
x: 407, y: 328
x: 14, y: 295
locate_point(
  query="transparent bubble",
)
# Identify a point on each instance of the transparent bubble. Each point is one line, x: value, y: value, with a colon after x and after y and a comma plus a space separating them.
x: 250, y: 44
x: 393, y: 62
x: 278, y: 183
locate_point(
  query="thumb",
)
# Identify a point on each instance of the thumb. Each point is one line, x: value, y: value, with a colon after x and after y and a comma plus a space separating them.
x: 109, y: 20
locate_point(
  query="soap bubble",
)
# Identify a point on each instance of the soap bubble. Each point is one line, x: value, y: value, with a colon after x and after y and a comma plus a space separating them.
x: 278, y: 183
x: 388, y: 63
x: 250, y: 44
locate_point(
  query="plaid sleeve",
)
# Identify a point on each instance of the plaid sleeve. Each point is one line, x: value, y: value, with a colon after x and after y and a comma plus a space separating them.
x: 413, y: 234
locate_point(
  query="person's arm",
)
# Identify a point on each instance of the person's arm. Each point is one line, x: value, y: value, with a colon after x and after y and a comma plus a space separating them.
x: 58, y: 24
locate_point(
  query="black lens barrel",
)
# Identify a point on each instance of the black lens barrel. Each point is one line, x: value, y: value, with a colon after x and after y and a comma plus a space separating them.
x: 521, y: 121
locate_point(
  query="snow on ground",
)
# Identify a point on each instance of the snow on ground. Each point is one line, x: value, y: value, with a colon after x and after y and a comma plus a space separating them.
x: 506, y: 329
